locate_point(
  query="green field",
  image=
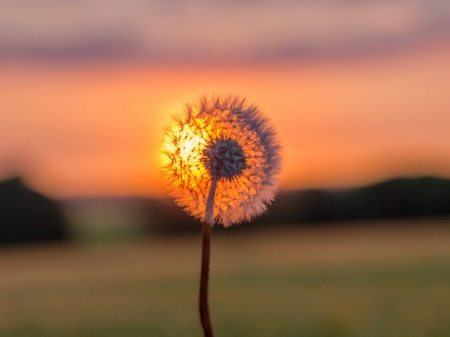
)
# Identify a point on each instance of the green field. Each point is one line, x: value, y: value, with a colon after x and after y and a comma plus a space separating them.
x: 381, y: 280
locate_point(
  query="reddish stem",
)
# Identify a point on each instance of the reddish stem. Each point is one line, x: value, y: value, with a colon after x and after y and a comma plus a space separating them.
x: 204, y: 280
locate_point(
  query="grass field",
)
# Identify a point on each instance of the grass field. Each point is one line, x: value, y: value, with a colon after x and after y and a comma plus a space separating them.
x: 381, y: 280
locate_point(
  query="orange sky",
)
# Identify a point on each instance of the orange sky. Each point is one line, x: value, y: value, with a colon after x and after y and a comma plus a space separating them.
x: 78, y: 129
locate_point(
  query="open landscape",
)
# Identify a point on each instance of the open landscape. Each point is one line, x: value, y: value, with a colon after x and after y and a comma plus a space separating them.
x: 313, y: 135
x: 378, y: 279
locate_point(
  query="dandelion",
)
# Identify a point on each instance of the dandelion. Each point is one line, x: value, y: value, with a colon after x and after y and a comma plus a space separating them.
x: 223, y: 149
x: 220, y: 158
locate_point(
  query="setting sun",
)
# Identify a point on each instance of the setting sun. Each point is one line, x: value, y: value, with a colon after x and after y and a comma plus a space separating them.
x: 183, y: 147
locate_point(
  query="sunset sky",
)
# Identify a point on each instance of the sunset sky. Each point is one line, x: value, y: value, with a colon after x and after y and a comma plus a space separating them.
x: 359, y: 91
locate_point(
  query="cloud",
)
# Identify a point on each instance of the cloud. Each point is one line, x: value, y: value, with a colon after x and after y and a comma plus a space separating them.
x: 219, y: 31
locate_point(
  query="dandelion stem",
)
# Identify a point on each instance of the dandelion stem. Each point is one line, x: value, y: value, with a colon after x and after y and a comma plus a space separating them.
x: 206, y: 248
x: 209, y: 213
x: 204, y: 280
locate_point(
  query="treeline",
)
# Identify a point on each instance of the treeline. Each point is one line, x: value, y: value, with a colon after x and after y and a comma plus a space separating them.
x: 393, y: 199
x: 28, y: 216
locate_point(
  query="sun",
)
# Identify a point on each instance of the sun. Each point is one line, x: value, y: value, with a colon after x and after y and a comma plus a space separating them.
x: 182, y: 149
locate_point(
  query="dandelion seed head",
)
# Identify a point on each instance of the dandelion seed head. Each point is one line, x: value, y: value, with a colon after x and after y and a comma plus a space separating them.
x: 228, y: 141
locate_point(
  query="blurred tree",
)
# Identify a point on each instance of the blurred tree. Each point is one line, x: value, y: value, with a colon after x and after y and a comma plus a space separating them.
x: 393, y: 199
x: 27, y: 216
x: 396, y: 198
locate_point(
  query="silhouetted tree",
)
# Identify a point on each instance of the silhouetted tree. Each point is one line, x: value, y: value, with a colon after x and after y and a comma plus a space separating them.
x: 396, y: 198
x: 26, y: 215
x: 393, y: 199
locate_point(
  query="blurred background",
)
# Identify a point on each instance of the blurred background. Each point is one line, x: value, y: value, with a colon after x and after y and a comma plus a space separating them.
x: 356, y: 244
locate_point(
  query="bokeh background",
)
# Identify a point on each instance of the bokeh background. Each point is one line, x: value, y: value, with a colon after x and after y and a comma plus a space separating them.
x: 356, y: 244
